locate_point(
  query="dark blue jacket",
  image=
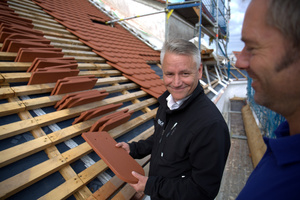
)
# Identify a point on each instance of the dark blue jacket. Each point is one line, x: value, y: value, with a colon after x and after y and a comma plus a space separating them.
x: 277, y: 175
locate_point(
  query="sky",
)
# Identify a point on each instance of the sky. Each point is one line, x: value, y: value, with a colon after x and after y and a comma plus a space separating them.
x: 238, y: 8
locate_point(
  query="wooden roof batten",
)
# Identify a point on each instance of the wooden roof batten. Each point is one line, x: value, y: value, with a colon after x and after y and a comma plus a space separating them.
x: 14, y: 91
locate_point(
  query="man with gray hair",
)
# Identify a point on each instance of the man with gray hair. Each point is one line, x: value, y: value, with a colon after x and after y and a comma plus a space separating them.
x: 271, y: 56
x: 190, y: 144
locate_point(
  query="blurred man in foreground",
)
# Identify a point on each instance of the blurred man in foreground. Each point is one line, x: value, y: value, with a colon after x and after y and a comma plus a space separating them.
x: 271, y: 56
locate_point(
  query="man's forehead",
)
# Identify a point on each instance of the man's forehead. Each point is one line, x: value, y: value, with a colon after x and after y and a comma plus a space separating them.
x: 257, y: 11
x: 255, y: 21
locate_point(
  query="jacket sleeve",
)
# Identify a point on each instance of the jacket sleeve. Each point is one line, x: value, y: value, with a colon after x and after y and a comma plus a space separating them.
x: 208, y: 154
x: 141, y: 148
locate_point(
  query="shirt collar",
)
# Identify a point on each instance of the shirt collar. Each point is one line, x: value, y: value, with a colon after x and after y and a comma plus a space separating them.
x: 286, y: 148
x: 172, y: 104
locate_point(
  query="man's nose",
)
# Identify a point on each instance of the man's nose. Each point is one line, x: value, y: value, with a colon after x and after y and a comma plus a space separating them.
x: 177, y: 81
x: 243, y: 59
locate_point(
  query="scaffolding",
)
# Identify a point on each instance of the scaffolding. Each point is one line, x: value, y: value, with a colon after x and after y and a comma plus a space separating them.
x: 209, y: 17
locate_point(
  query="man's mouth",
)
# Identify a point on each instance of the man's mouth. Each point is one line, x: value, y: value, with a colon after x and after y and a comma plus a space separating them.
x: 178, y: 89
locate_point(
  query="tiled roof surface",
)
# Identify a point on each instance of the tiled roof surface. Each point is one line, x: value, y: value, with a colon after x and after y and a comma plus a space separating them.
x: 236, y: 53
x: 53, y: 87
x: 120, y: 48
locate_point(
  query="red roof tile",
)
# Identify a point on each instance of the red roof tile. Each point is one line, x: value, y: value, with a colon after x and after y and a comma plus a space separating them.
x: 119, y: 47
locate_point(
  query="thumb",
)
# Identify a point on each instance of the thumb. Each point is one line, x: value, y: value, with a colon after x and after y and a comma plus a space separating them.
x: 136, y: 175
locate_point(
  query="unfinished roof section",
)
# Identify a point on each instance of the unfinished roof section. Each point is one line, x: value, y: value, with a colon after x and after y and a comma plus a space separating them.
x: 42, y: 154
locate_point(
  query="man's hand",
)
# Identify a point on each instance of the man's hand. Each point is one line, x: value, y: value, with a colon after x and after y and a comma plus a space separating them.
x: 140, y: 185
x: 123, y: 145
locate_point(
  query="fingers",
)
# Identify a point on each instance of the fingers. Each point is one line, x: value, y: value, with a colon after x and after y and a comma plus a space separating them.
x: 140, y: 186
x: 136, y: 175
x: 140, y: 177
x: 119, y: 144
x: 123, y: 145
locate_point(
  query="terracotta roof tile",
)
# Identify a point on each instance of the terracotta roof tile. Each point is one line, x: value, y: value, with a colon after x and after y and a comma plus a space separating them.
x: 119, y: 47
x: 69, y: 84
x: 116, y: 121
x: 15, y: 28
x: 49, y: 62
x: 29, y: 54
x: 97, y: 125
x: 81, y: 98
x: 46, y: 75
x: 96, y: 112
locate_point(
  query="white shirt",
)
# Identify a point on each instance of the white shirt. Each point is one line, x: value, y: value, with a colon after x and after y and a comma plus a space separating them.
x: 172, y: 104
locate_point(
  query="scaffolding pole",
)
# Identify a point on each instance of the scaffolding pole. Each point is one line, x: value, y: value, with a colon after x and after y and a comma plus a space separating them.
x: 137, y: 16
x: 168, y: 14
x: 171, y: 7
x: 186, y: 4
x: 217, y: 32
x: 200, y: 25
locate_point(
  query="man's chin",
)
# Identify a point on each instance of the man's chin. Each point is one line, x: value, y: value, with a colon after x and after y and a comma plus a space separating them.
x: 178, y: 97
x: 261, y: 100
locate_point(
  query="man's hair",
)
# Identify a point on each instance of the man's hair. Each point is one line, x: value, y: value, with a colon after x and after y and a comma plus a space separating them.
x: 181, y: 47
x: 285, y: 16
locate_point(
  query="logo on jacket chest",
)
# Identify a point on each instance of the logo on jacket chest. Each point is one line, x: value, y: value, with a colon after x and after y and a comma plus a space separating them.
x: 161, y: 123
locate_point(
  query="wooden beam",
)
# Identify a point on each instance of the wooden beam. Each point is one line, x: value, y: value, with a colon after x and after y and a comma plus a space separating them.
x: 74, y: 53
x: 67, y: 171
x: 14, y: 66
x: 23, y: 126
x: 26, y: 178
x: 70, y: 186
x: 30, y: 104
x: 18, y: 152
x: 6, y: 92
x: 23, y: 66
x: 24, y: 77
x: 11, y: 108
x: 66, y: 189
x: 254, y: 137
x: 7, y: 56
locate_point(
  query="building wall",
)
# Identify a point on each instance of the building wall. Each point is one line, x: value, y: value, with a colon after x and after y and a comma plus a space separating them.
x: 154, y: 24
x: 234, y: 89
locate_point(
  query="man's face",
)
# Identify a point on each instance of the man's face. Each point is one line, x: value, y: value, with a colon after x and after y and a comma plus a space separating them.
x: 180, y: 75
x: 275, y: 81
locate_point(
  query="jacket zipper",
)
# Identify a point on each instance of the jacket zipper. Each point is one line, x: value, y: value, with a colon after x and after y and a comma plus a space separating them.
x: 162, y: 134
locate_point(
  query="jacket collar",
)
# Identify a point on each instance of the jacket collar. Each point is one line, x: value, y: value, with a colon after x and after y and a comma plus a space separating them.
x: 162, y: 99
x: 285, y: 148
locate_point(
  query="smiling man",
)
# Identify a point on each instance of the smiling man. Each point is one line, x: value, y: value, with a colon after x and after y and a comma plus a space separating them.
x: 271, y: 56
x: 190, y: 144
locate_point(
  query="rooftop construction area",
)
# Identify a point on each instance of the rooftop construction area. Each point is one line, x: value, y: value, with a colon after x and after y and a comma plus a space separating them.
x: 63, y: 72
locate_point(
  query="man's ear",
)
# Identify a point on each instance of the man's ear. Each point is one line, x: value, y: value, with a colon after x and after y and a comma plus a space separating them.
x: 200, y: 70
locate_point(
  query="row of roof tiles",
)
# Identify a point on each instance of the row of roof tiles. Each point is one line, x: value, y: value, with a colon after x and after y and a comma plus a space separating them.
x: 119, y: 47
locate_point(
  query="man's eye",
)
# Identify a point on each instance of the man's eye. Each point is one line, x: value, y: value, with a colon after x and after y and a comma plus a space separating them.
x: 186, y: 74
x: 249, y: 49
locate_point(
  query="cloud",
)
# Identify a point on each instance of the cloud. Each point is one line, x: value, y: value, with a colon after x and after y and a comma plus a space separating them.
x: 238, y: 9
